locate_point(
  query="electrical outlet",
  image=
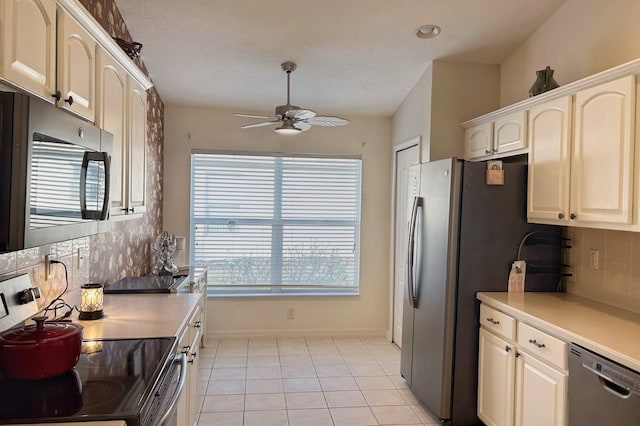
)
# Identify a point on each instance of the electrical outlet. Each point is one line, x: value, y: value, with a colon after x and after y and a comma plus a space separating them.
x: 79, y: 259
x: 291, y: 313
x: 594, y: 255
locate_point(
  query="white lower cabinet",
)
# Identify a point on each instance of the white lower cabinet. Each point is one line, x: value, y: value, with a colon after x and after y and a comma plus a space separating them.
x: 516, y: 387
x: 496, y: 362
x: 189, y: 344
x: 540, y: 393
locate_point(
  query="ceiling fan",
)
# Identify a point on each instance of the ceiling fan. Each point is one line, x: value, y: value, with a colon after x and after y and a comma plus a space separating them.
x: 293, y: 118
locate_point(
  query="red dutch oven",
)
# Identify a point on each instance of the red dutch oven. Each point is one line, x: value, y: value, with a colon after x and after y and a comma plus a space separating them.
x: 39, y: 351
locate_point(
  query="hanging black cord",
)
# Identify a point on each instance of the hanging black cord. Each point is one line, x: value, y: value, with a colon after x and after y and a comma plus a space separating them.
x: 58, y: 302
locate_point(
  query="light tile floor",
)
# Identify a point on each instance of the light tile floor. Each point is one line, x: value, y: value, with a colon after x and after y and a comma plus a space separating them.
x: 305, y: 381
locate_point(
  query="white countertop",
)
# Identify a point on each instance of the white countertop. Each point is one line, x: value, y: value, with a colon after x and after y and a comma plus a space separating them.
x: 614, y: 333
x: 141, y: 315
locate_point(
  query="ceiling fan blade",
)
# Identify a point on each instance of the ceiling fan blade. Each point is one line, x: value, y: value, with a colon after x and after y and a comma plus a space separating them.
x: 327, y: 121
x: 239, y: 114
x: 300, y: 114
x: 302, y: 125
x: 264, y: 123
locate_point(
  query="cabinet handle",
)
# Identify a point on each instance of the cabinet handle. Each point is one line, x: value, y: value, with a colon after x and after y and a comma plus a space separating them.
x: 69, y: 100
x: 507, y: 348
x: 517, y: 354
x: 572, y: 215
x: 486, y: 151
x: 560, y: 215
x: 132, y: 210
x: 534, y: 342
x: 191, y: 360
x: 185, y: 349
x: 495, y: 150
x: 198, y: 324
x: 57, y: 96
x: 492, y: 321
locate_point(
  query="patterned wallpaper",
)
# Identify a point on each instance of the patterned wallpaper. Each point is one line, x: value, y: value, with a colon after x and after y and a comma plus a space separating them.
x: 125, y: 251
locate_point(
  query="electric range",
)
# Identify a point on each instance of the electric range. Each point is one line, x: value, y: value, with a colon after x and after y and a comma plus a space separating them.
x: 124, y: 379
x: 149, y: 284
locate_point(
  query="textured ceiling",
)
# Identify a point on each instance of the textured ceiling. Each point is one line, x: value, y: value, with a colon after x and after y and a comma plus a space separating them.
x: 355, y: 57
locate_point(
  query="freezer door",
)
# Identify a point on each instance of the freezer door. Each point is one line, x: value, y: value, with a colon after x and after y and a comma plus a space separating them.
x: 434, y: 303
x: 411, y: 253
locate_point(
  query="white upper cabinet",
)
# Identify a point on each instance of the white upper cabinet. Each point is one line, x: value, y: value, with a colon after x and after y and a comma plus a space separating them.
x: 549, y: 161
x: 478, y: 141
x: 76, y: 67
x: 28, y: 31
x: 137, y: 132
x: 503, y: 135
x: 111, y: 115
x: 581, y: 158
x: 603, y: 152
x: 509, y: 132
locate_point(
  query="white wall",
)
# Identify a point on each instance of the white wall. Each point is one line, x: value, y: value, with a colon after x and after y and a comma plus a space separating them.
x: 447, y: 94
x: 582, y: 38
x: 189, y: 128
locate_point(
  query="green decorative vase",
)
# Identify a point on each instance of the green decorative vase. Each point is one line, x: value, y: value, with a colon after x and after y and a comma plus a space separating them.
x: 544, y: 82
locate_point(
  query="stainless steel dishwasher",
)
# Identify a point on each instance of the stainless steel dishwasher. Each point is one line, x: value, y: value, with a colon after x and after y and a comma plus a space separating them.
x: 601, y: 392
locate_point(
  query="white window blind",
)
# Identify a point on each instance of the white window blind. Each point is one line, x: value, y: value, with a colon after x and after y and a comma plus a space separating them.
x: 276, y: 224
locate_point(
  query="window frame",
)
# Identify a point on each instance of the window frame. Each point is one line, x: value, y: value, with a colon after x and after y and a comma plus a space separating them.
x: 244, y: 290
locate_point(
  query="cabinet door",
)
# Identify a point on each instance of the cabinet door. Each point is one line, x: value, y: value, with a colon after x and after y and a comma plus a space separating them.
x: 478, y: 141
x: 496, y: 363
x: 76, y: 67
x: 541, y: 393
x: 602, y: 164
x: 112, y: 117
x: 137, y: 147
x: 509, y: 132
x: 549, y: 135
x: 29, y: 45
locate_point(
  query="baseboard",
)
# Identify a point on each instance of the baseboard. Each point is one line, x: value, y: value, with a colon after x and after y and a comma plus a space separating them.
x: 231, y: 334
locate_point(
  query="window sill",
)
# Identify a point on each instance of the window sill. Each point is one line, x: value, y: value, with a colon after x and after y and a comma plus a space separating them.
x: 285, y: 293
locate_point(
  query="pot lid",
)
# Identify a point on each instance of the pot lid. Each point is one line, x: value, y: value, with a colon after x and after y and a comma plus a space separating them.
x: 41, y: 332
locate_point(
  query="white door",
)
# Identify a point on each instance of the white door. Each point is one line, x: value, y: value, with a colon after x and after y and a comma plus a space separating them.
x: 496, y: 362
x: 404, y: 159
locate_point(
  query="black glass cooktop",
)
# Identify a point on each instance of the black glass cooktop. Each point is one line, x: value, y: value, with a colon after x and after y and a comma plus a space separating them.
x: 112, y: 381
x: 147, y: 284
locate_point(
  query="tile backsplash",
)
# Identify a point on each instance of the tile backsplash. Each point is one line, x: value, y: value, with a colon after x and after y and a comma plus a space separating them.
x: 614, y: 277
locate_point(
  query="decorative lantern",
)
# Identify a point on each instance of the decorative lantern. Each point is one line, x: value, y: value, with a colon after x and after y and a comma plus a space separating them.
x: 91, y: 300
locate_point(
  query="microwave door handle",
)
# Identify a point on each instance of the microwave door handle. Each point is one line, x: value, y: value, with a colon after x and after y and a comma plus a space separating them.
x: 182, y: 359
x: 107, y: 186
x: 417, y: 202
x: 102, y: 157
x: 83, y: 185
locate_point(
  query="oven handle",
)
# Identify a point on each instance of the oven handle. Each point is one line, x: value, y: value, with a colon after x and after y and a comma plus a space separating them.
x: 182, y: 359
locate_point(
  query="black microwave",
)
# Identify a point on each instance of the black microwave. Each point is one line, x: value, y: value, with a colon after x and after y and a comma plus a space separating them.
x: 54, y: 174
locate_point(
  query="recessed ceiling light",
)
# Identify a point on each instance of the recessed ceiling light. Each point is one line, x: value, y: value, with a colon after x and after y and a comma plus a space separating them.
x: 428, y: 31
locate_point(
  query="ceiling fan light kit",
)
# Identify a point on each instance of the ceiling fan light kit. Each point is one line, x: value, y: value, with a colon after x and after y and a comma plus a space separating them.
x: 293, y: 118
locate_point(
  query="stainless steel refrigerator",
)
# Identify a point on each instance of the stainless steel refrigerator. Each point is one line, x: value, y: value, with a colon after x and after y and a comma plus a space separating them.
x: 463, y: 237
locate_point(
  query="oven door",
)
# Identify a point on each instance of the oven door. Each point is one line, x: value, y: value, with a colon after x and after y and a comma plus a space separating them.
x: 162, y: 409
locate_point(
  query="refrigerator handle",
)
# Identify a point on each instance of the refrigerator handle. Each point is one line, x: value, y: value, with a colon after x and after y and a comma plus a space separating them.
x: 417, y: 203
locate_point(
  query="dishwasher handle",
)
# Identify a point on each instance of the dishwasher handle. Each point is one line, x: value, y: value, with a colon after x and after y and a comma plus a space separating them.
x: 610, y: 384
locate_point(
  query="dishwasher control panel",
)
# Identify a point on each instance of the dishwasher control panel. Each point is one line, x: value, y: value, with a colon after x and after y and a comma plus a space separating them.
x: 607, y: 369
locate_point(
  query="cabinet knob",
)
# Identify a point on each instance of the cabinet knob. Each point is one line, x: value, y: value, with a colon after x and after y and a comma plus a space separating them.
x: 185, y: 349
x: 57, y: 96
x: 507, y: 348
x: 132, y: 210
x: 572, y: 215
x: 69, y: 100
x: 495, y: 150
x: 560, y: 215
x: 486, y: 151
x: 198, y: 324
